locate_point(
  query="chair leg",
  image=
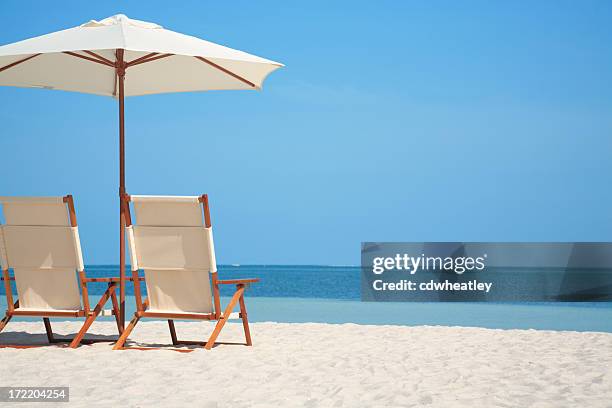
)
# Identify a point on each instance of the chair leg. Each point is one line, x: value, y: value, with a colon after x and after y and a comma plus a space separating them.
x: 5, y: 321
x: 245, y: 321
x: 90, y: 319
x: 48, y: 330
x: 223, y: 319
x: 116, y: 311
x: 8, y: 316
x: 173, y: 332
x: 124, y: 336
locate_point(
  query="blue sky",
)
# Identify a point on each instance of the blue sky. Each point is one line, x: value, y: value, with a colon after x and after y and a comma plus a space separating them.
x: 392, y: 121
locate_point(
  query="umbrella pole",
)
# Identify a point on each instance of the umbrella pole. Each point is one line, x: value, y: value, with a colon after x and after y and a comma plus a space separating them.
x: 120, y: 68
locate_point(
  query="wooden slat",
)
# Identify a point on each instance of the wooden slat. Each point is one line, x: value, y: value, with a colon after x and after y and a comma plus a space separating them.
x: 124, y: 336
x: 204, y: 200
x: 172, y: 332
x: 71, y: 211
x: 48, y: 330
x: 7, y: 287
x: 245, y: 321
x: 111, y: 279
x: 90, y: 319
x: 5, y: 320
x: 226, y: 314
x: 126, y: 210
x: 137, y: 291
x: 164, y: 315
x: 45, y: 313
x: 84, y: 291
x: 216, y: 295
x: 116, y: 311
x: 237, y: 281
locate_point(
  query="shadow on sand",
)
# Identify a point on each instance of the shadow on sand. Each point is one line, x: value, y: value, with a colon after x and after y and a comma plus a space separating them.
x: 25, y: 339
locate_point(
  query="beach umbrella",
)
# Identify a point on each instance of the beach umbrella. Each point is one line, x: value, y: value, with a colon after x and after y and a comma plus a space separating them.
x: 120, y: 57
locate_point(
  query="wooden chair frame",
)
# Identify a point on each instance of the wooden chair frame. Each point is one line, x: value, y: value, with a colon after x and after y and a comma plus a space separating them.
x: 221, y: 318
x: 89, y: 314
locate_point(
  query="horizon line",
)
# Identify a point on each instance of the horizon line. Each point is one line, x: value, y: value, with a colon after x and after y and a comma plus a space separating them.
x: 239, y: 265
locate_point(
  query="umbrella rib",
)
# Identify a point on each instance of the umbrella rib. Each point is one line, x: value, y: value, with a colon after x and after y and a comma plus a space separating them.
x: 101, y: 58
x: 227, y: 71
x: 11, y: 65
x: 142, y: 61
x: 74, y: 54
x: 144, y: 57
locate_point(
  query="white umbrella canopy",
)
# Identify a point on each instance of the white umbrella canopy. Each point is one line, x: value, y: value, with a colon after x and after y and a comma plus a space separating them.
x: 120, y: 57
x: 157, y: 61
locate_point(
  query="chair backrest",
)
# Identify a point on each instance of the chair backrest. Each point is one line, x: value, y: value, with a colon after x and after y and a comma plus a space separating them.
x: 170, y: 240
x: 40, y: 242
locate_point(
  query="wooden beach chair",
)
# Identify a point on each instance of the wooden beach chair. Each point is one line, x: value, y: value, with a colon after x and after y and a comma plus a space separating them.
x: 171, y: 240
x: 40, y: 243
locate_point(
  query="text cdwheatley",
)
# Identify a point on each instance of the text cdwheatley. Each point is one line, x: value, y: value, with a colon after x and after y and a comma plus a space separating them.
x: 432, y: 285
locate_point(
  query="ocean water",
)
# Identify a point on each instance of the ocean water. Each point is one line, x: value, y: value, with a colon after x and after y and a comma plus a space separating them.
x: 331, y: 294
x: 320, y: 282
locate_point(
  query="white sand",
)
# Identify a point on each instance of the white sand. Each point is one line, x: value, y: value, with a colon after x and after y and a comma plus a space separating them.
x: 323, y: 365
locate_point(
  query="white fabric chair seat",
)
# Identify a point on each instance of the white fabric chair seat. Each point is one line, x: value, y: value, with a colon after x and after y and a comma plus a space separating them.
x: 43, y: 248
x: 171, y: 244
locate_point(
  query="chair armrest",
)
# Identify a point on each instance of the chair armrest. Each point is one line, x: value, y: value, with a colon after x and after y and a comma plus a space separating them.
x: 237, y: 281
x: 140, y: 278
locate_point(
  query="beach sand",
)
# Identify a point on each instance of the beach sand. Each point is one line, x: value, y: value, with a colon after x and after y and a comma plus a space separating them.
x: 321, y: 365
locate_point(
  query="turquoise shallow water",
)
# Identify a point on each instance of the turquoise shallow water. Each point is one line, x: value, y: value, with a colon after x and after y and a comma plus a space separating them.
x: 494, y: 316
x: 331, y: 295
